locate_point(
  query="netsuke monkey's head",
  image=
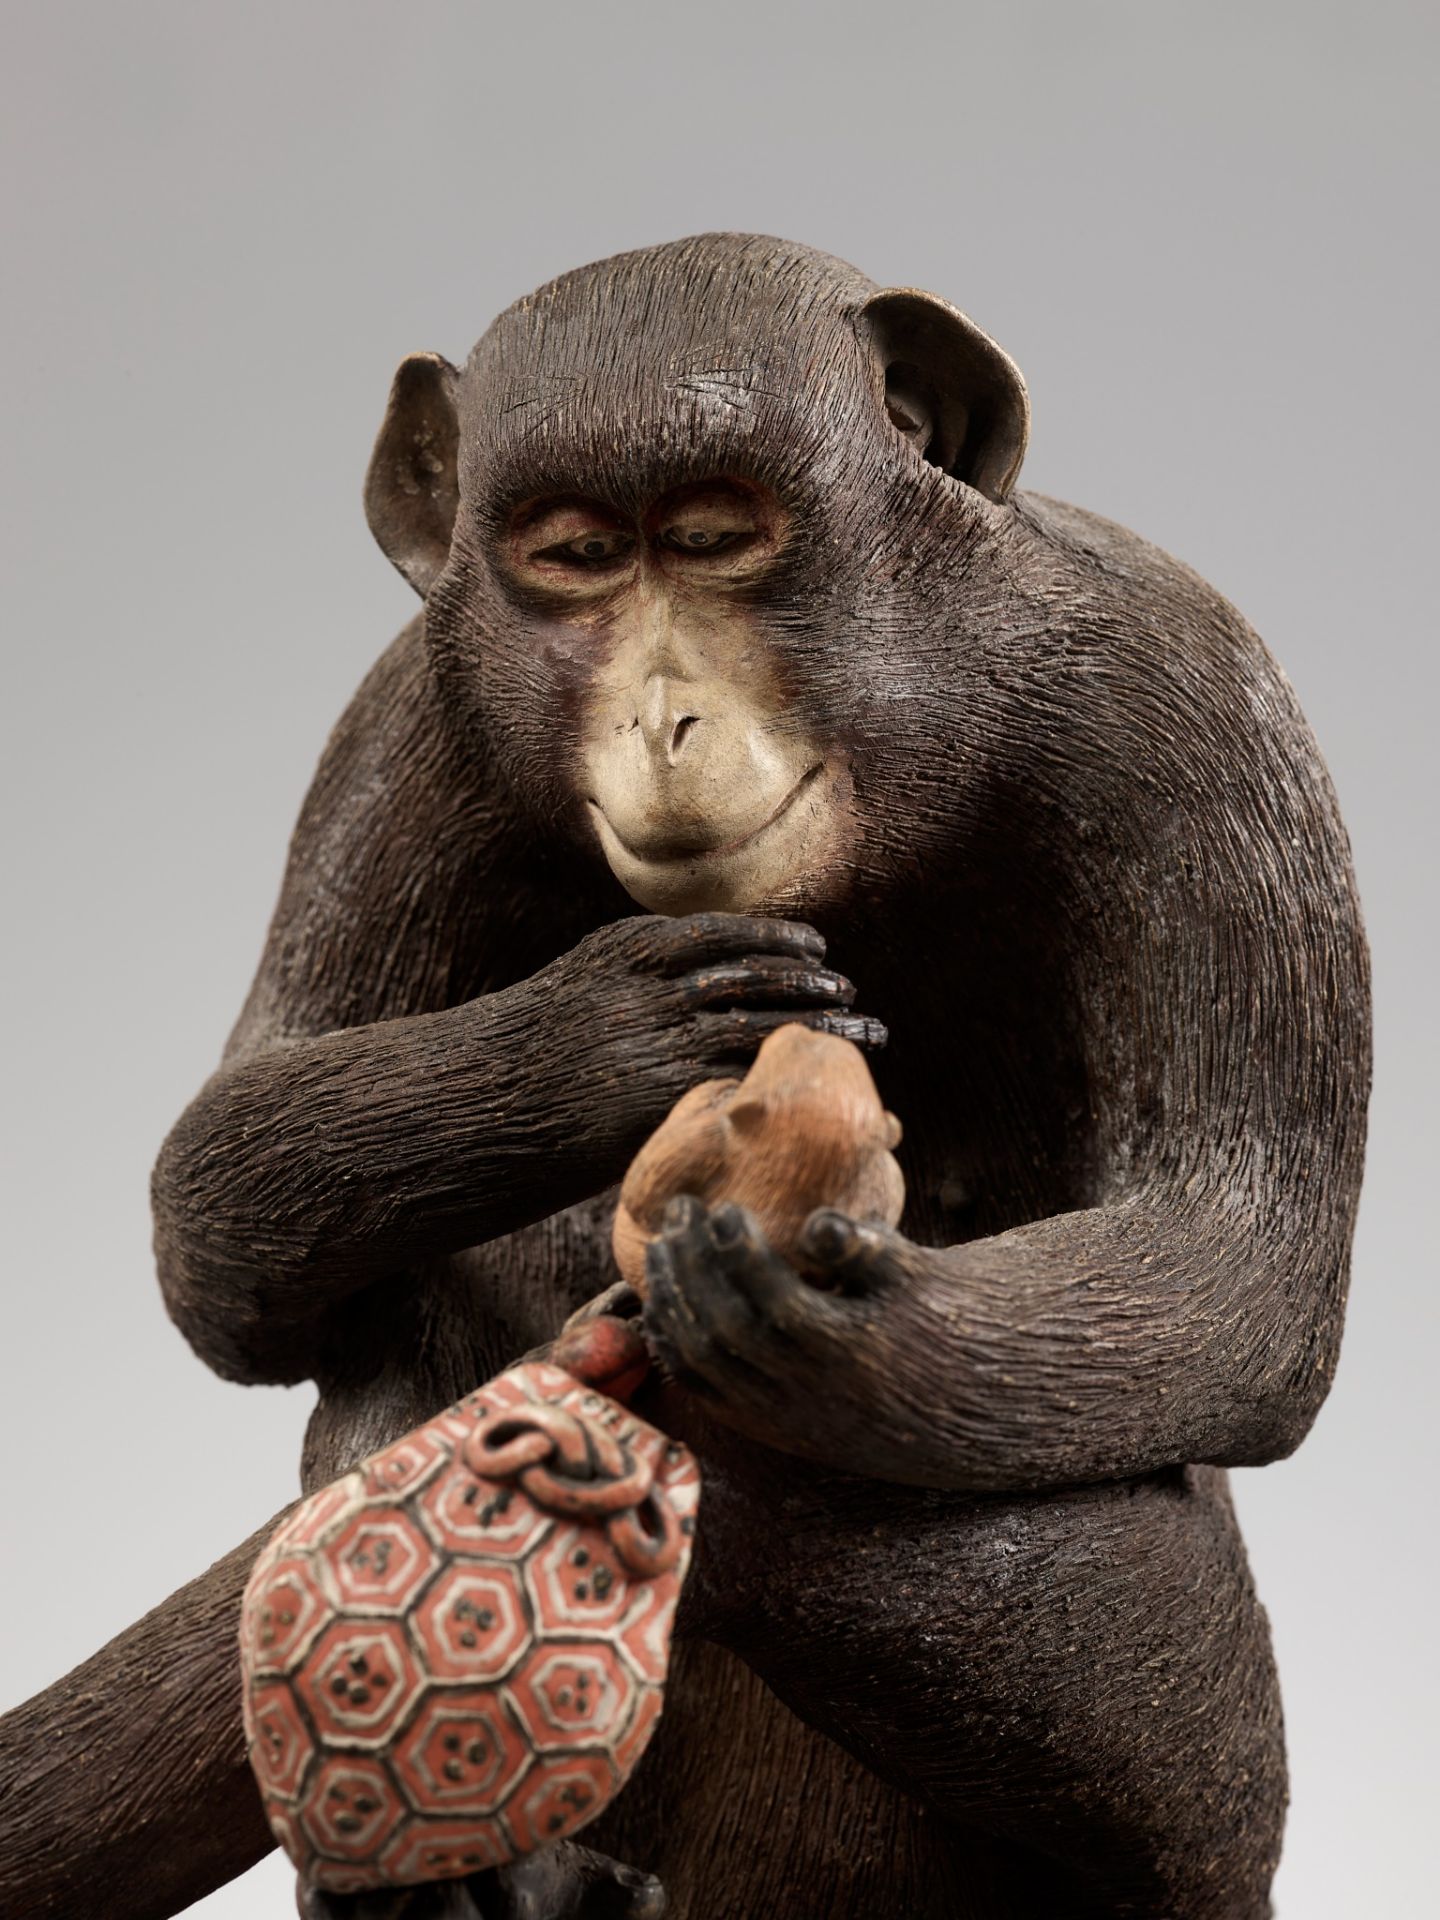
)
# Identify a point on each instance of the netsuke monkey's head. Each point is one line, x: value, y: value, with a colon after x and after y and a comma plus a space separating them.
x: 688, y: 525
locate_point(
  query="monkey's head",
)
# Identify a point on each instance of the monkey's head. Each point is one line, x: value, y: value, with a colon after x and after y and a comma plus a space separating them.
x: 685, y: 524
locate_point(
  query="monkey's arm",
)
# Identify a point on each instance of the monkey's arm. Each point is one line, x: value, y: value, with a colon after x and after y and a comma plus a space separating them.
x: 1191, y: 1314
x: 1087, y: 1347
x: 1174, y: 850
x: 1192, y: 1311
x: 380, y: 1104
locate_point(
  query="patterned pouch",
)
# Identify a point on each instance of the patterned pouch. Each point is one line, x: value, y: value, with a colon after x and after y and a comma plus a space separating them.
x: 457, y: 1653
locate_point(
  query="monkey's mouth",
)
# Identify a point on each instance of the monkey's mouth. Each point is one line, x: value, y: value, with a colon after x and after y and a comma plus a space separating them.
x: 687, y: 851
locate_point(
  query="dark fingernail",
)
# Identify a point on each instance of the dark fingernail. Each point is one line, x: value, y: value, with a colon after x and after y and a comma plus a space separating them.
x: 829, y: 1236
x: 678, y: 1213
x: 727, y: 1225
x: 869, y: 1034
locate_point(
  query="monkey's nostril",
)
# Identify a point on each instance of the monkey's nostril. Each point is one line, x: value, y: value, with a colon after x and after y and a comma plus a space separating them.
x: 681, y: 734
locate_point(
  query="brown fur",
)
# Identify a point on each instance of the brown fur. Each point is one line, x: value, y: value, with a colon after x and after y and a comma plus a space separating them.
x: 965, y: 1517
x: 804, y: 1129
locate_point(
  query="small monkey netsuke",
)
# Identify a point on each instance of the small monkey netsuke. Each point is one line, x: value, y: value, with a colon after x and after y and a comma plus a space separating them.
x: 803, y: 1134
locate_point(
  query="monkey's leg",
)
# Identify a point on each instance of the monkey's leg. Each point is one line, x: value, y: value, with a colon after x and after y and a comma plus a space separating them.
x: 124, y: 1788
x: 1085, y: 1675
x: 747, y: 1813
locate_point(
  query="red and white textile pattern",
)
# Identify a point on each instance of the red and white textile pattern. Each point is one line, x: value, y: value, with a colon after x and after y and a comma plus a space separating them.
x: 457, y: 1653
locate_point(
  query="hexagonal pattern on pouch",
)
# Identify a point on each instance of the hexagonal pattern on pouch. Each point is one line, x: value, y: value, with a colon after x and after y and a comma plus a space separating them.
x: 645, y: 1636
x: 452, y: 1426
x: 473, y: 1623
x: 359, y: 1681
x: 572, y: 1694
x: 284, y: 1609
x: 282, y: 1825
x: 463, y: 1752
x: 535, y: 1381
x: 636, y: 1737
x: 379, y: 1561
x: 280, y: 1743
x: 442, y: 1850
x: 352, y: 1808
x: 578, y: 1582
x: 408, y: 1464
x: 465, y: 1514
x: 314, y: 1517
x: 334, y: 1875
x: 558, y: 1798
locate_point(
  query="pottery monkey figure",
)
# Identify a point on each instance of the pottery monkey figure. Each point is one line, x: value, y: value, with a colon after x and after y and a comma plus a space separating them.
x: 733, y: 613
x: 804, y: 1131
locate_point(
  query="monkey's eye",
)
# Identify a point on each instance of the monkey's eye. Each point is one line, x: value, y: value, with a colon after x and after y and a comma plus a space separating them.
x: 594, y: 549
x: 693, y: 539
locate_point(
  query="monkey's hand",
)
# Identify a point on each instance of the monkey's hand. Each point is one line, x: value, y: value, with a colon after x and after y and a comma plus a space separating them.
x: 443, y: 1130
x: 646, y: 1008
x: 657, y: 1003
x: 803, y: 1362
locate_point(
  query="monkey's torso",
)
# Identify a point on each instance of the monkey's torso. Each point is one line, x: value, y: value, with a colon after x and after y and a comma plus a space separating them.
x: 1098, y: 1654
x: 1058, y: 1702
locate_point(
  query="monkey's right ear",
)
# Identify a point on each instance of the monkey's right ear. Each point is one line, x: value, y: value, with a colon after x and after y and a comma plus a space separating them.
x: 412, y: 490
x: 956, y: 395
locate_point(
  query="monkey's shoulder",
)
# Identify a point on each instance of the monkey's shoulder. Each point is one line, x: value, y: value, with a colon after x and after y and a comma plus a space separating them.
x: 1111, y: 582
x: 1105, y: 547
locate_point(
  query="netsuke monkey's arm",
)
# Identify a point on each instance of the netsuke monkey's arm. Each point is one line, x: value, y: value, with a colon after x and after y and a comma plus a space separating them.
x: 1091, y: 1346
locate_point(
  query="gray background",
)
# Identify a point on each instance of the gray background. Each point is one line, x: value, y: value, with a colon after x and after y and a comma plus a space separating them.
x: 1207, y: 235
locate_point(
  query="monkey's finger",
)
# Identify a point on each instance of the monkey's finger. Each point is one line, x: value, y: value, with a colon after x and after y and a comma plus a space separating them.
x: 867, y: 1033
x: 699, y: 939
x: 711, y: 1258
x: 775, y: 1296
x: 852, y: 1256
x: 669, y: 1324
x: 691, y: 1348
x: 737, y: 1035
x: 768, y: 980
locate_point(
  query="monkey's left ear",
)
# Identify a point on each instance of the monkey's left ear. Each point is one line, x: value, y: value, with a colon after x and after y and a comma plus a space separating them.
x: 949, y: 388
x: 411, y: 489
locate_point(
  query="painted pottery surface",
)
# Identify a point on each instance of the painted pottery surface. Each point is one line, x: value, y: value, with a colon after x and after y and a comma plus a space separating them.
x: 457, y: 1653
x: 805, y: 1128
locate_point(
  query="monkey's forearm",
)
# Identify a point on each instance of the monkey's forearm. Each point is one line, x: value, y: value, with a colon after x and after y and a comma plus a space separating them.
x: 1090, y: 1346
x: 306, y: 1171
x: 1098, y: 1345
x: 124, y: 1788
x: 298, y: 1176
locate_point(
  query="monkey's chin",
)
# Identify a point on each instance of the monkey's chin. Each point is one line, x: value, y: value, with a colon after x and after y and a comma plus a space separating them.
x: 771, y: 868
